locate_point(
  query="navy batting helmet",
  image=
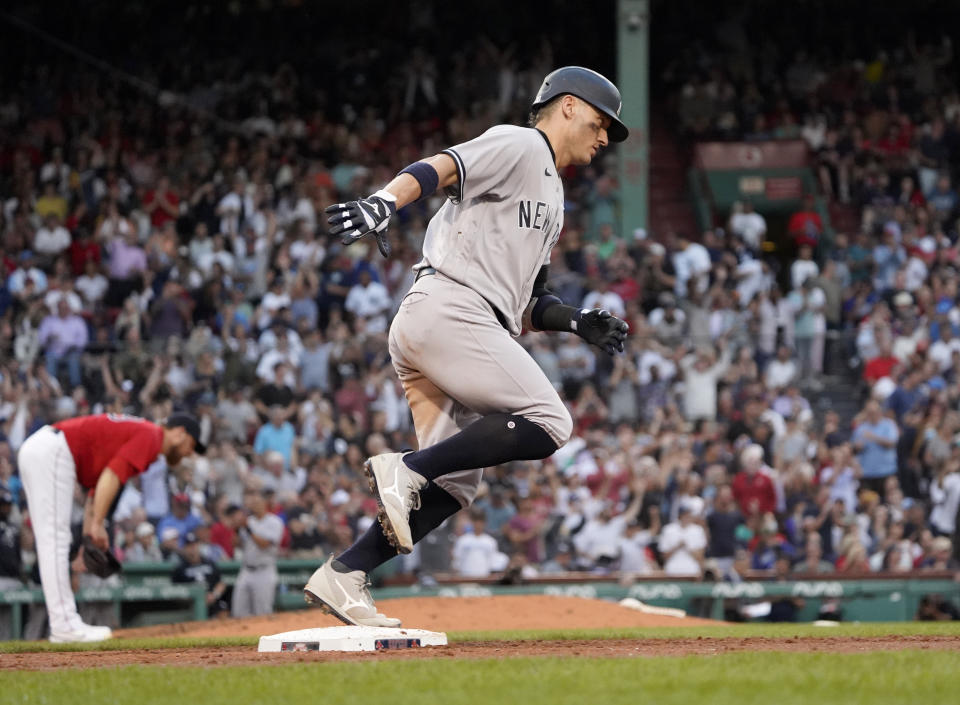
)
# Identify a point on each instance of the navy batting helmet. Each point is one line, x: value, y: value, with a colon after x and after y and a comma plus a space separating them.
x: 589, y: 86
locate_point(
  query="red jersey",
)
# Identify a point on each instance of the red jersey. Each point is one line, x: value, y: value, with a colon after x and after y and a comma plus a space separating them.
x: 160, y: 217
x: 757, y: 490
x: 223, y: 537
x: 878, y: 367
x: 125, y: 444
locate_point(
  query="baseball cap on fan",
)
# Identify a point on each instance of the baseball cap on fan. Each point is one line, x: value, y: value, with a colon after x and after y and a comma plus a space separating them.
x: 189, y: 424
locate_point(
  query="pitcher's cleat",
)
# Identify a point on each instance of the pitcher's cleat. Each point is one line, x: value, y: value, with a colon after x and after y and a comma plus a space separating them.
x: 82, y: 633
x: 346, y: 596
x: 397, y: 491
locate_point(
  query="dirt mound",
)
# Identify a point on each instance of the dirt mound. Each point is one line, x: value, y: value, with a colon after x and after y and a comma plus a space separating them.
x: 442, y: 614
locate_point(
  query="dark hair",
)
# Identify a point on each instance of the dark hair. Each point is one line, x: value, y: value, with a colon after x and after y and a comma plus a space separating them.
x: 541, y: 112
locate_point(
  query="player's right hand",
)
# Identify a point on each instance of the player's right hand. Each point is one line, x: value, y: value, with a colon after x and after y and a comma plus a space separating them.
x: 98, y: 535
x: 354, y: 219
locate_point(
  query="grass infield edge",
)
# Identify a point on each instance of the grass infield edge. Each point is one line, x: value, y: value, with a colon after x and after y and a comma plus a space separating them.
x: 772, y: 631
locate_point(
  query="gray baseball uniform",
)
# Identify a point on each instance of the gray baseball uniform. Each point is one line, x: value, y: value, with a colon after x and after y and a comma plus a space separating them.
x: 256, y: 585
x: 451, y: 340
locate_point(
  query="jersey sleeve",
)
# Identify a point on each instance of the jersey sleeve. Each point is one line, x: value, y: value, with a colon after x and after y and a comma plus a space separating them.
x: 213, y: 577
x: 180, y: 574
x: 135, y: 456
x: 488, y: 164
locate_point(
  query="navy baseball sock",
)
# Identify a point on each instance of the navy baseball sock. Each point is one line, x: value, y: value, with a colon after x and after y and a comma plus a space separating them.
x: 373, y: 549
x: 494, y: 439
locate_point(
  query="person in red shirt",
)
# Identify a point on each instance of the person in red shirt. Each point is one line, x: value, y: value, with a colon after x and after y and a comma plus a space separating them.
x: 101, y: 453
x: 880, y: 366
x: 805, y: 226
x: 224, y: 531
x: 752, y: 488
x: 161, y: 203
x: 82, y: 249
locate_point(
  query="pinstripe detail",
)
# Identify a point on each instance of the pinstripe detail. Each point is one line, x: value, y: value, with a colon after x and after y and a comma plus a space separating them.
x: 461, y: 172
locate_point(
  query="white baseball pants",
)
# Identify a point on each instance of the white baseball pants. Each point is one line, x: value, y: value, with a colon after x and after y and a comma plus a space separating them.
x: 49, y: 475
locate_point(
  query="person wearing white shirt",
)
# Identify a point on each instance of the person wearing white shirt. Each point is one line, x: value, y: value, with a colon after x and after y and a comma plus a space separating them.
x: 216, y: 255
x: 701, y: 373
x: 915, y: 274
x: 633, y: 551
x: 667, y: 321
x: 599, y: 541
x: 692, y: 265
x: 58, y: 172
x: 905, y: 344
x: 650, y: 359
x: 270, y: 338
x: 602, y: 297
x: 803, y: 267
x: 280, y: 354
x: 92, y: 285
x: 749, y: 225
x: 945, y: 496
x: 52, y: 238
x: 305, y: 213
x: 369, y: 300
x: 475, y: 553
x: 942, y: 351
x: 235, y: 208
x: 201, y: 244
x: 682, y: 543
x: 573, y: 491
x: 272, y: 301
x: 751, y: 279
x: 780, y: 371
x: 53, y: 296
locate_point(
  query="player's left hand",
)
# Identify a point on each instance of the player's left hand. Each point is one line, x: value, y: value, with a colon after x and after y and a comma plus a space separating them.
x: 601, y: 328
x: 354, y: 219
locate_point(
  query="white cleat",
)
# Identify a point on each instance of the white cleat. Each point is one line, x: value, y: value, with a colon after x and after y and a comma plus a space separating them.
x: 346, y: 596
x: 83, y: 633
x: 397, y: 491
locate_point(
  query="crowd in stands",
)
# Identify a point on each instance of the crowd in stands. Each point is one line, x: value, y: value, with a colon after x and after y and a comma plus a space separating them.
x: 152, y: 259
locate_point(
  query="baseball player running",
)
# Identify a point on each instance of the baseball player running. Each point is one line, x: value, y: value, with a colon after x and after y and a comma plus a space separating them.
x: 477, y: 398
x: 101, y: 453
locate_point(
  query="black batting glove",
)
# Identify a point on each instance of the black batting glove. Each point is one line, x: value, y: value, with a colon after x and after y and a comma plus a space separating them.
x: 601, y: 328
x: 354, y: 219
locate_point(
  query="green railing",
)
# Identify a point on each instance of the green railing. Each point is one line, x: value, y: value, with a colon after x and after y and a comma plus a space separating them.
x: 194, y: 594
x: 883, y: 600
x: 871, y: 599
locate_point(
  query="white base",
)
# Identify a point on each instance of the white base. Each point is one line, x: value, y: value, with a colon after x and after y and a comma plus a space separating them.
x: 350, y: 639
x: 635, y: 604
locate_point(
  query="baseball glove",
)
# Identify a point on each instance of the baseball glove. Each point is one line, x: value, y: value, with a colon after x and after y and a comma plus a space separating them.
x: 101, y: 563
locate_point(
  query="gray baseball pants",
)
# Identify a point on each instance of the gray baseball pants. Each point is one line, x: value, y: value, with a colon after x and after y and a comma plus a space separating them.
x: 457, y: 363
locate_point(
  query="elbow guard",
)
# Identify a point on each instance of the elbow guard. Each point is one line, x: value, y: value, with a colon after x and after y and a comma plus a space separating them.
x: 426, y: 176
x: 544, y: 300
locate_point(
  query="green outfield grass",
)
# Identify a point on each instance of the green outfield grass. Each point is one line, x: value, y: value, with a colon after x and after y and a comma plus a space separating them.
x: 865, y: 629
x: 761, y: 678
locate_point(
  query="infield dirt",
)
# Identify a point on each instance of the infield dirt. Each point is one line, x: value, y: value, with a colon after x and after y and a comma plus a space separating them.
x: 462, y: 614
x: 443, y: 614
